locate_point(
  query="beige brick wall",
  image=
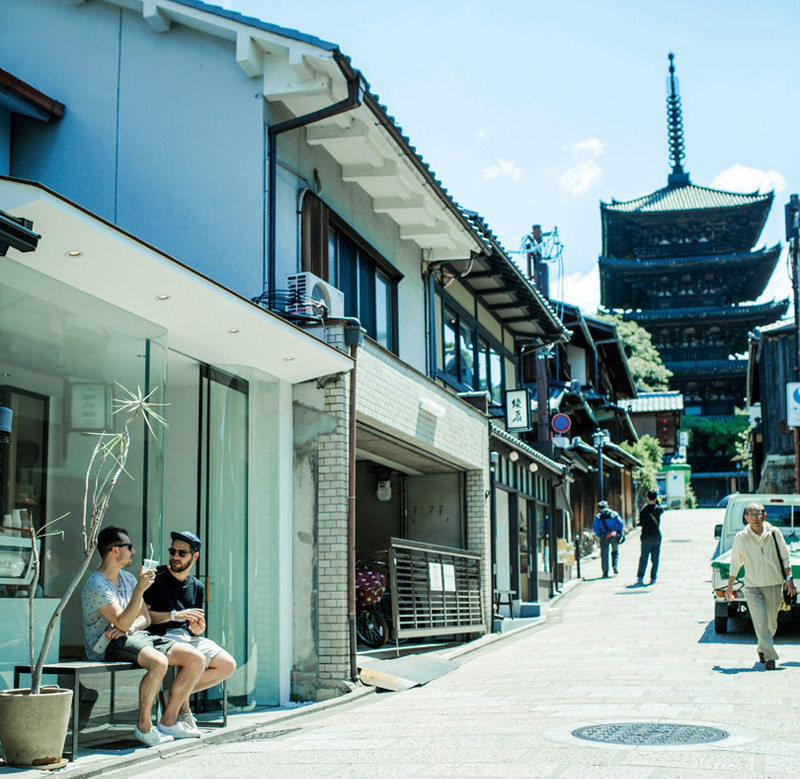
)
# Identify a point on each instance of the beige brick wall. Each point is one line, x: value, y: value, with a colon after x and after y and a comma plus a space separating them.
x: 332, y: 492
x: 388, y: 395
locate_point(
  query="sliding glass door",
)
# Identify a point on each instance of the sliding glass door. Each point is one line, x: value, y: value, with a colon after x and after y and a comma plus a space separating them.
x: 223, y: 512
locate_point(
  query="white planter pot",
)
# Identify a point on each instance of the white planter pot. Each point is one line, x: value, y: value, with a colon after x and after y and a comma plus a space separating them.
x: 33, y: 728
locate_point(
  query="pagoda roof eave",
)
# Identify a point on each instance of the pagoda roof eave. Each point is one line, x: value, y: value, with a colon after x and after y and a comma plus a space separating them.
x: 690, y: 197
x: 698, y: 367
x: 757, y: 257
x: 624, y: 283
x: 764, y: 313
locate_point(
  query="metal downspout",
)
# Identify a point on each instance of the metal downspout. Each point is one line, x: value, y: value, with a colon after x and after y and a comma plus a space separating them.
x: 351, y: 517
x: 431, y: 321
x: 353, y: 100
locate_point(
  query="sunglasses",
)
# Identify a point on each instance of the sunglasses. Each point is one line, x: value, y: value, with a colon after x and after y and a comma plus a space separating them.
x: 179, y: 552
x: 122, y: 546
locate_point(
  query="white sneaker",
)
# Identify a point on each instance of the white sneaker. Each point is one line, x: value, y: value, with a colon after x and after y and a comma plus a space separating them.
x: 188, y: 719
x: 179, y: 730
x: 153, y: 738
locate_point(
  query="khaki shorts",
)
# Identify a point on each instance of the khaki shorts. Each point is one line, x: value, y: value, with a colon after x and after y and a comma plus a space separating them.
x: 127, y: 648
x: 202, y: 644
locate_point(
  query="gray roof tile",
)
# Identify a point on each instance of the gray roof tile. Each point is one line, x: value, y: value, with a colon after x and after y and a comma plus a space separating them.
x: 685, y: 198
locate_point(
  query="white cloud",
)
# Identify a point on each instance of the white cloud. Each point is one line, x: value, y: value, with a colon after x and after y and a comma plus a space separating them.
x: 593, y: 145
x: 780, y: 285
x: 740, y: 178
x: 577, y: 179
x: 502, y: 168
x: 580, y: 177
x: 579, y: 289
x: 482, y: 135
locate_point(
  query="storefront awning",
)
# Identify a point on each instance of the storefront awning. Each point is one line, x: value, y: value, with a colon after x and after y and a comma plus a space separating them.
x: 202, y: 318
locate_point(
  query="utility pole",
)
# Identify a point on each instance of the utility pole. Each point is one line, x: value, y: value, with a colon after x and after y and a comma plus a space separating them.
x: 792, y: 216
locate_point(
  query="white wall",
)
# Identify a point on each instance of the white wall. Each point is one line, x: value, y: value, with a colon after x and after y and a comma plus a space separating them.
x: 162, y: 133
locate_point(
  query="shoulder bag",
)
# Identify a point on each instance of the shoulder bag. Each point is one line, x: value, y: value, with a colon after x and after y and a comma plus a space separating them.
x: 789, y: 600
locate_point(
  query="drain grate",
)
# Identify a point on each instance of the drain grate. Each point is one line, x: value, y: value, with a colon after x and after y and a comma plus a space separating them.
x: 650, y: 734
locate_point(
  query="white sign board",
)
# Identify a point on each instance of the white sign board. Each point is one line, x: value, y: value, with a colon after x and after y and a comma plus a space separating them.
x: 676, y: 485
x: 449, y: 571
x: 435, y: 577
x: 683, y: 438
x: 793, y: 403
x: 518, y: 410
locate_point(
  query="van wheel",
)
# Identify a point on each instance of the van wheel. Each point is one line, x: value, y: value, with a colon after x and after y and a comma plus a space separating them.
x: 720, y: 625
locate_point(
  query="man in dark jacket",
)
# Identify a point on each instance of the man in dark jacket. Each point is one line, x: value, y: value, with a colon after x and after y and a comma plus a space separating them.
x: 650, y: 521
x: 608, y: 528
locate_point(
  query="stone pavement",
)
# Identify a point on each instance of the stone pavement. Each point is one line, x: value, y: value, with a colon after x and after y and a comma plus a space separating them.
x: 620, y: 654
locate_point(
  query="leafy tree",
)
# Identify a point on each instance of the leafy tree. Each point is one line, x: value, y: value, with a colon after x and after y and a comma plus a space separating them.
x: 716, y: 436
x: 651, y: 453
x: 647, y: 369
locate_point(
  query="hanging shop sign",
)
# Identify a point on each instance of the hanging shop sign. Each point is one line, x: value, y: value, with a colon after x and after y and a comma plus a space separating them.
x: 518, y: 410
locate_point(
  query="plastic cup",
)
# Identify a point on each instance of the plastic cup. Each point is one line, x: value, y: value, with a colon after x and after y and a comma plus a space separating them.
x: 149, y: 565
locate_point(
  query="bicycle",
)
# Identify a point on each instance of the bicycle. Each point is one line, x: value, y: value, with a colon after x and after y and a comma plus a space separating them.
x: 371, y: 626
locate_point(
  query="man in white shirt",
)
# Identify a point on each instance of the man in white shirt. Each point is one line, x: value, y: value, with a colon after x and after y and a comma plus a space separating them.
x: 767, y: 573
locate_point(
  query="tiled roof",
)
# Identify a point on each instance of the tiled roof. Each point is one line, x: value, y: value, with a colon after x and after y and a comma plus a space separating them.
x: 730, y: 312
x: 708, y: 366
x: 680, y: 263
x: 529, y: 450
x: 689, y: 197
x: 391, y: 125
x: 653, y: 401
x: 251, y: 21
x: 495, y: 247
x: 782, y: 325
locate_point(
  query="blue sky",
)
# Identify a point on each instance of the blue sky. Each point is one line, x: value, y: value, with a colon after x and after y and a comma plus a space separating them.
x: 534, y: 112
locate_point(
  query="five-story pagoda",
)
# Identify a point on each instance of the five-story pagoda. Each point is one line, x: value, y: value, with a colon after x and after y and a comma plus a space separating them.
x: 680, y: 262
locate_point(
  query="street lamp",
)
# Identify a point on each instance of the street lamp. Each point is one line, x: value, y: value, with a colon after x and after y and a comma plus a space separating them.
x: 600, y: 438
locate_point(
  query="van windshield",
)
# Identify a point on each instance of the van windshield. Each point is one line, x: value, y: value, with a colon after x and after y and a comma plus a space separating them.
x: 779, y: 516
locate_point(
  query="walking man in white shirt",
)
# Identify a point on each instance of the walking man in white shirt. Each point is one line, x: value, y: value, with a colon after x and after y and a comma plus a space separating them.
x: 767, y: 573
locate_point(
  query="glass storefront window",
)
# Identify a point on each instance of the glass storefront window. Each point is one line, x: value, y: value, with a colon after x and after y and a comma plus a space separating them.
x: 62, y: 354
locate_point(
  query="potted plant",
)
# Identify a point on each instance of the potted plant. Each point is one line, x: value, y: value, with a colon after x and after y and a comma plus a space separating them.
x: 33, y: 721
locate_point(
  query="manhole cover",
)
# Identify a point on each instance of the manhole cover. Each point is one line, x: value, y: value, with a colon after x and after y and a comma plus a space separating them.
x: 650, y: 734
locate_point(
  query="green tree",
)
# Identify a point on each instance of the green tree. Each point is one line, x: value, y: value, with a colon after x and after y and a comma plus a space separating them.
x: 644, y: 362
x: 717, y: 435
x: 651, y: 453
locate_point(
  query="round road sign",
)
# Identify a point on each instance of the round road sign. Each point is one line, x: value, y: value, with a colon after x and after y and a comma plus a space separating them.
x: 561, y: 423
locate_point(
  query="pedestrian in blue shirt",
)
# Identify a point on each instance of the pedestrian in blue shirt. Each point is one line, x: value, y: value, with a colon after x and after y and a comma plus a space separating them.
x: 608, y: 528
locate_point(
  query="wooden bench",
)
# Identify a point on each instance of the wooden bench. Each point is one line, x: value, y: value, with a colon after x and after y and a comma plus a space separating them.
x: 504, y: 595
x: 80, y: 668
x: 77, y: 670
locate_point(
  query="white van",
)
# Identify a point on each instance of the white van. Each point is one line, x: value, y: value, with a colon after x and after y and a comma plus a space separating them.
x: 783, y: 512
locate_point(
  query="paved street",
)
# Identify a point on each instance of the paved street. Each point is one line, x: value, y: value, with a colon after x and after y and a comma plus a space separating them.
x: 620, y: 654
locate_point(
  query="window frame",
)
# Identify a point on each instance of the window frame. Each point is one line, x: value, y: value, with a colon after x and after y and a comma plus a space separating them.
x: 315, y: 258
x: 480, y: 334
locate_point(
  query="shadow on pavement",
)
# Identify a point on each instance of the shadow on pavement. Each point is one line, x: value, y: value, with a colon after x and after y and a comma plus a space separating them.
x: 743, y: 635
x: 729, y: 671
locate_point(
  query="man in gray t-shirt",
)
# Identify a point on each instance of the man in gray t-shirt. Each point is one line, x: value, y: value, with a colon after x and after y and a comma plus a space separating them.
x: 115, y: 621
x: 98, y: 592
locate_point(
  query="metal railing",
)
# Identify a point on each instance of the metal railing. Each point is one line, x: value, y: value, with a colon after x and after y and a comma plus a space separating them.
x: 436, y: 590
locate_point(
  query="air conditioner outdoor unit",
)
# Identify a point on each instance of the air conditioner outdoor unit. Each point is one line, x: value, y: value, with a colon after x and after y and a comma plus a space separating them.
x: 311, y: 296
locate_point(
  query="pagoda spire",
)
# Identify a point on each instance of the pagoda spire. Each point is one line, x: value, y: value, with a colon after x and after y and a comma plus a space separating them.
x: 678, y: 178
